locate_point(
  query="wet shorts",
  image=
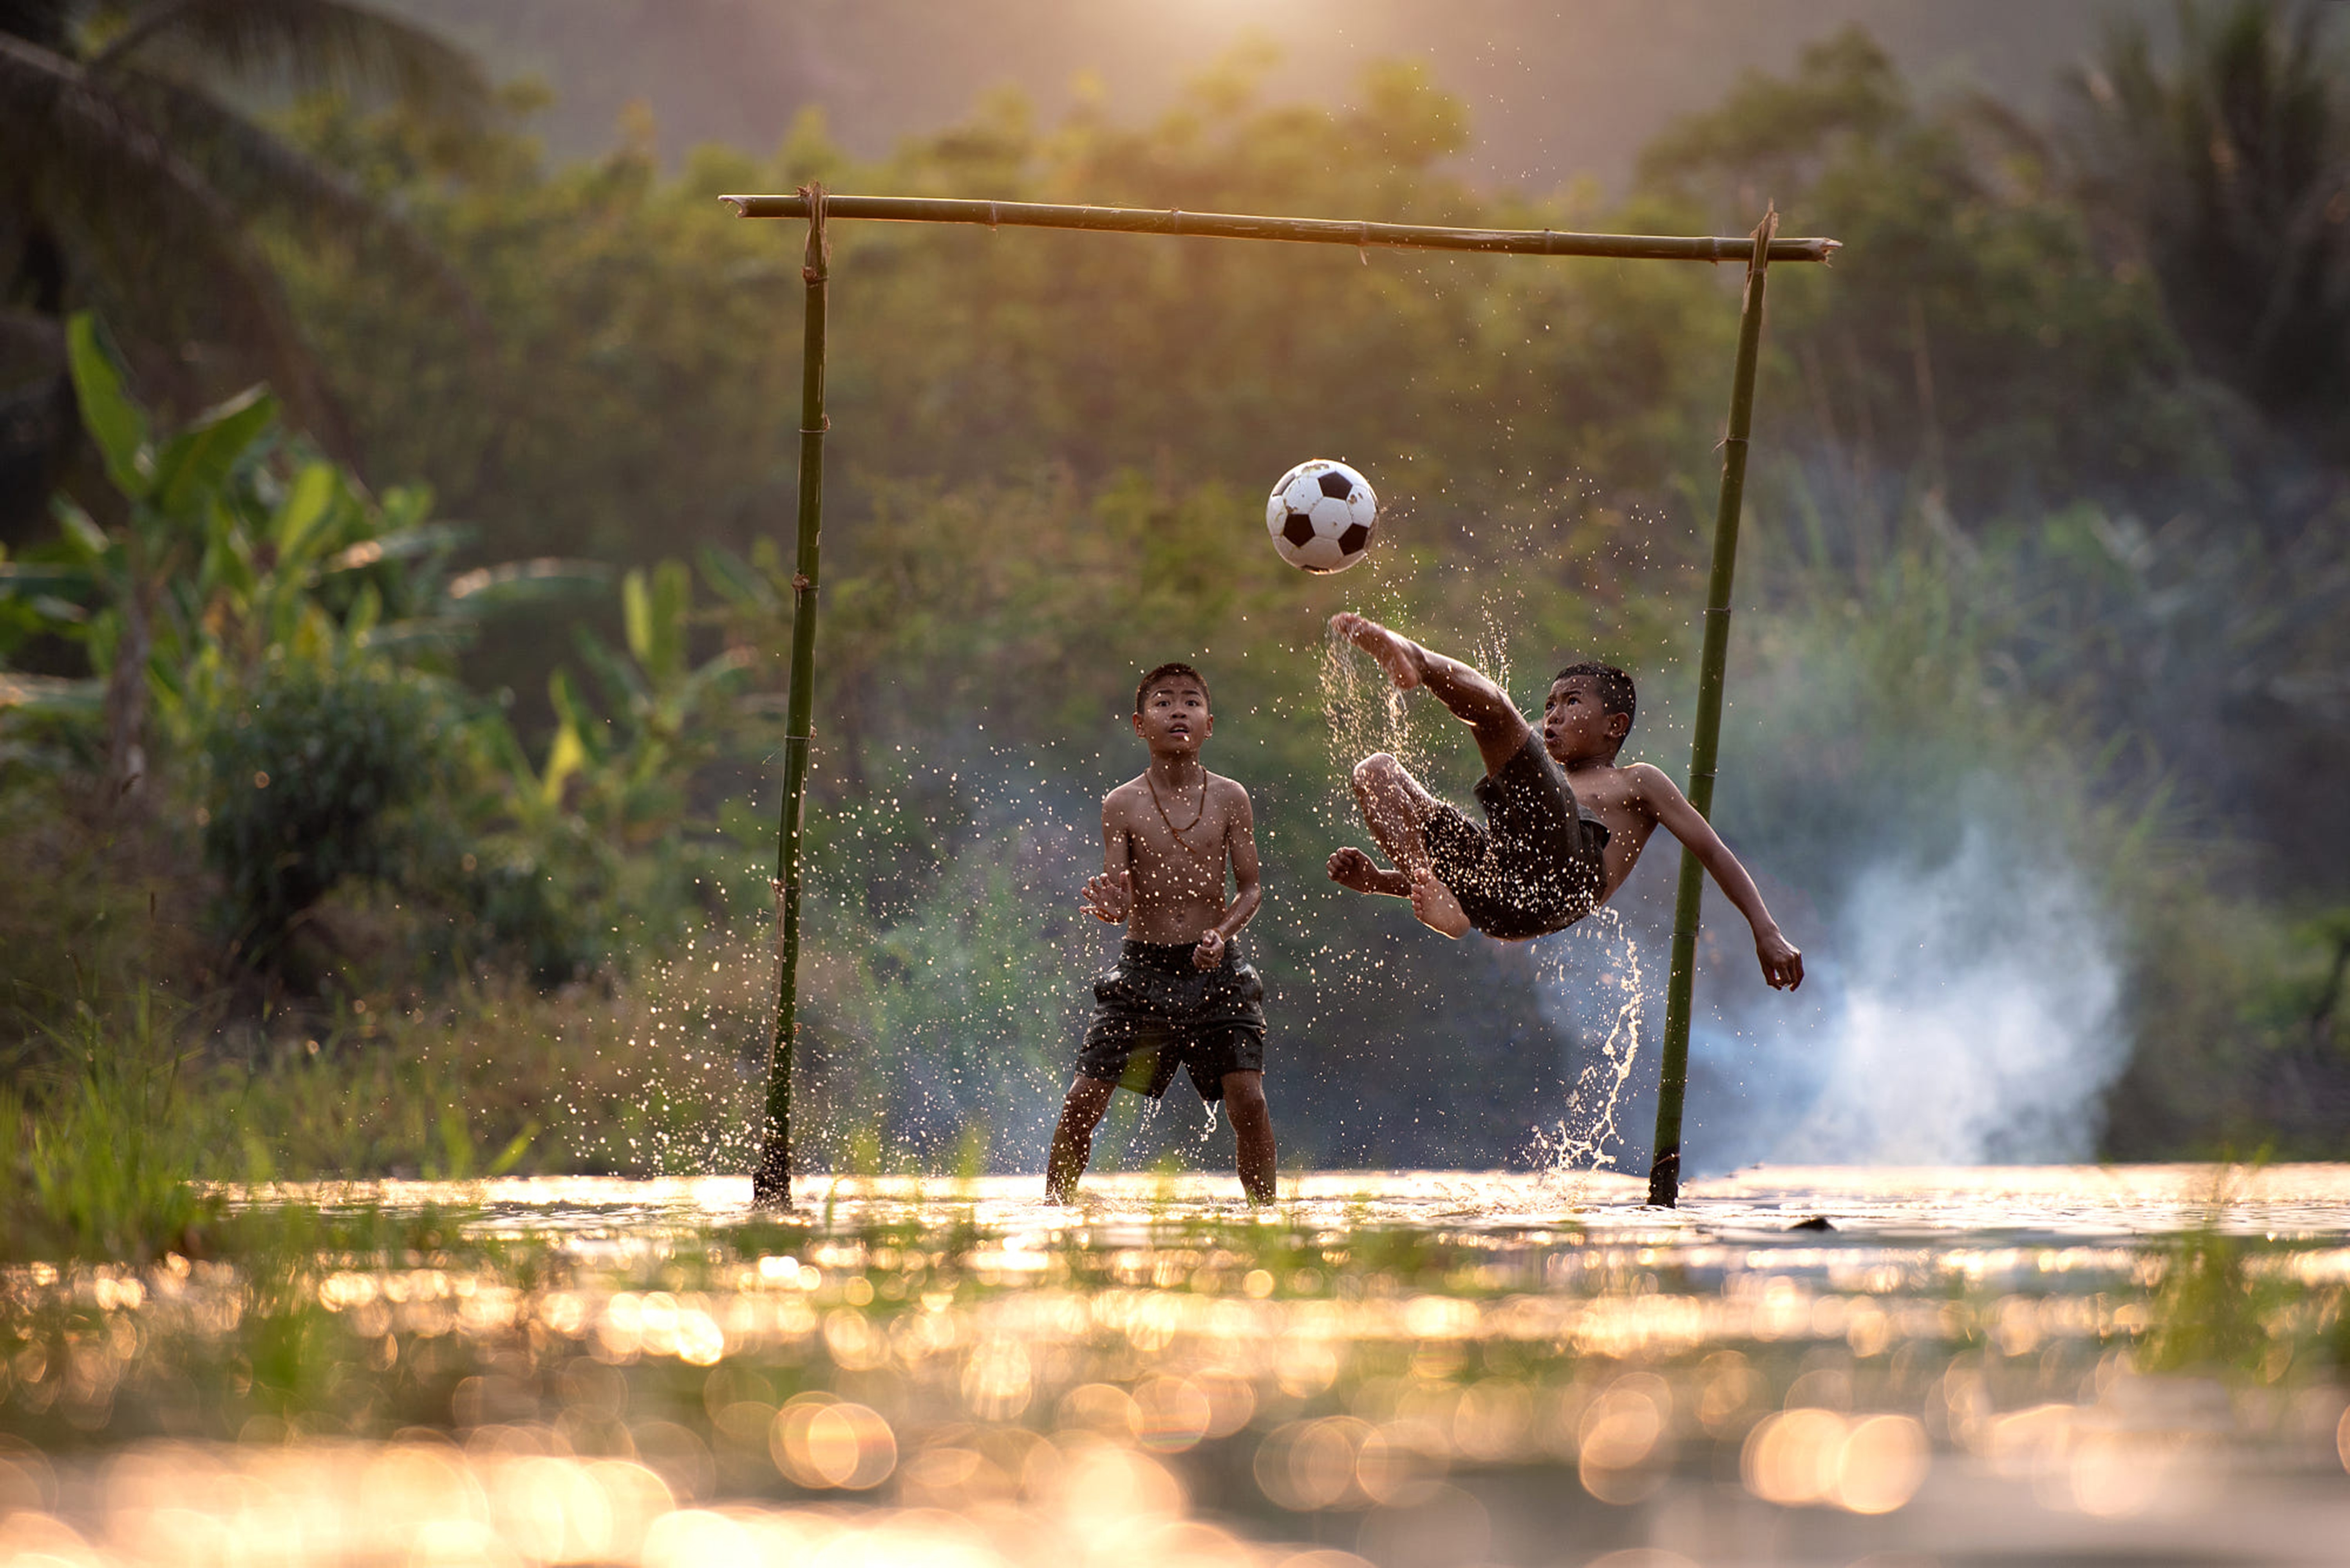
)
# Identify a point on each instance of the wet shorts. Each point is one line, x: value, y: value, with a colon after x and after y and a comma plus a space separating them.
x: 1536, y: 865
x: 1156, y: 1013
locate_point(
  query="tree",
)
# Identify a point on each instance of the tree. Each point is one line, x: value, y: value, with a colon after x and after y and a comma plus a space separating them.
x: 2229, y: 174
x: 131, y: 184
x: 1970, y: 350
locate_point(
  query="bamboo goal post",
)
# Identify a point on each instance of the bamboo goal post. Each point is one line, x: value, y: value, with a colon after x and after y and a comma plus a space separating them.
x: 1705, y: 734
x: 771, y: 1181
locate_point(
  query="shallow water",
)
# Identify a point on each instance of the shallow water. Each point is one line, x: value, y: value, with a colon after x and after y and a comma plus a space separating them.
x: 1967, y: 1366
x: 1951, y: 1205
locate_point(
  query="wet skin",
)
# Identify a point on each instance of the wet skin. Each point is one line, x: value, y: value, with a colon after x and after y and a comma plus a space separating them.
x: 1583, y: 738
x: 1168, y: 835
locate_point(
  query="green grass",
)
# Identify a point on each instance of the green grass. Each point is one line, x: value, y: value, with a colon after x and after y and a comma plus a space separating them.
x: 101, y: 1145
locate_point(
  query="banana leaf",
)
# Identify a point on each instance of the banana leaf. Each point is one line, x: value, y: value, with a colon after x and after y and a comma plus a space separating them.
x: 547, y: 578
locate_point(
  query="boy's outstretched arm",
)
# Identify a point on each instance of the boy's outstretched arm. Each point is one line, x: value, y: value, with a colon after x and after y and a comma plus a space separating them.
x: 1782, y: 964
x: 1248, y: 887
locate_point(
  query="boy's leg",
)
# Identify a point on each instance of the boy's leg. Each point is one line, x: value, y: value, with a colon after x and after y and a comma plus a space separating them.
x: 1501, y: 730
x: 1396, y: 809
x: 1252, y: 1150
x: 1072, y: 1138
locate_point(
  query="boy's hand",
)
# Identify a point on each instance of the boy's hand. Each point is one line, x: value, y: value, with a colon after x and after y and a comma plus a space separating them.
x: 1109, y: 899
x: 1211, y: 950
x: 1350, y: 867
x: 1782, y: 965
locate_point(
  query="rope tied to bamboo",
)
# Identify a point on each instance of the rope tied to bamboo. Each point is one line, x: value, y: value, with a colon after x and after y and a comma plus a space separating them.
x: 815, y: 262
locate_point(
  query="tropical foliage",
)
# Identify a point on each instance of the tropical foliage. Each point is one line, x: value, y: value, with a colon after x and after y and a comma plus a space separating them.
x: 2225, y: 175
x: 137, y: 182
x: 2010, y: 513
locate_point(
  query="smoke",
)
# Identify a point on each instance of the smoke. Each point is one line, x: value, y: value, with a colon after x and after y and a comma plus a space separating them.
x: 1964, y: 1014
x: 1956, y: 1010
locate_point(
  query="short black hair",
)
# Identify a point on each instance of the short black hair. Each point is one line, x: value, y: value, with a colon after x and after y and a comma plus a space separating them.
x: 1170, y: 672
x: 1616, y: 693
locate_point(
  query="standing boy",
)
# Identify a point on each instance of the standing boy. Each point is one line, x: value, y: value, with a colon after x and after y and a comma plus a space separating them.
x: 1564, y: 823
x: 1179, y: 997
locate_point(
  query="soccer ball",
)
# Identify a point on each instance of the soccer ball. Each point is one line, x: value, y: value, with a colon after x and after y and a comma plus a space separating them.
x: 1320, y: 515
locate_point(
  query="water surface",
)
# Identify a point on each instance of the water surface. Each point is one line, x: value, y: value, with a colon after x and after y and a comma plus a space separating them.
x: 1816, y: 1366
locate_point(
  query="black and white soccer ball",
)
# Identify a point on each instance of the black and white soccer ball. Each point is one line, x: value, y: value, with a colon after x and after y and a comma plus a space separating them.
x: 1321, y: 516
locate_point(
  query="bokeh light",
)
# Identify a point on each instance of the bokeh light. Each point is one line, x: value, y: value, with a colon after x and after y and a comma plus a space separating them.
x: 984, y: 1380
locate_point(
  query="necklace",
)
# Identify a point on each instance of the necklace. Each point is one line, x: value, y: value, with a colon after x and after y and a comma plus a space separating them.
x: 1152, y: 785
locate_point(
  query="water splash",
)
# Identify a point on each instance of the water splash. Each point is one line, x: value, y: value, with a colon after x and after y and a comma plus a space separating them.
x: 670, y: 1085
x: 1363, y: 712
x: 1491, y: 652
x: 1590, y: 983
x: 1592, y: 986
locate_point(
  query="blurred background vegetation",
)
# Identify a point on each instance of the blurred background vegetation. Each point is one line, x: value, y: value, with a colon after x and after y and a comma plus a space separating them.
x: 393, y: 625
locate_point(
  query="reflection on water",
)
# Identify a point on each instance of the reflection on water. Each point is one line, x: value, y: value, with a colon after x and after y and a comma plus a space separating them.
x: 1980, y: 1366
x: 1952, y: 1205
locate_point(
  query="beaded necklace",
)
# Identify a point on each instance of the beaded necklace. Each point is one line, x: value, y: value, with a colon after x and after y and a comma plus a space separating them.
x: 1152, y: 785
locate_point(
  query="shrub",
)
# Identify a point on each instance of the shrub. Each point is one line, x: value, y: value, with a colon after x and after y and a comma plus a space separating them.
x: 315, y: 770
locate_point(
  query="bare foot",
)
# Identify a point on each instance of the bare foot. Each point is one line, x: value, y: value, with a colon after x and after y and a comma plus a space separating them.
x: 1351, y: 868
x: 1435, y: 906
x: 1399, y: 656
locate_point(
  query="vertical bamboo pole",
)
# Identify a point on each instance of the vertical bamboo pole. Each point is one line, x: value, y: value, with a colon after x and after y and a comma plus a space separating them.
x: 772, y: 1183
x: 1665, y: 1170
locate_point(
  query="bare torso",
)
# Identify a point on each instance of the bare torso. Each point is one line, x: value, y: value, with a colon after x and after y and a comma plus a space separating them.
x: 1177, y: 845
x: 1621, y: 798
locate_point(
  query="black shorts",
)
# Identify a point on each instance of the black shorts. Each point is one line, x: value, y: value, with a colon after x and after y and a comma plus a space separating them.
x: 1156, y: 1013
x: 1535, y: 866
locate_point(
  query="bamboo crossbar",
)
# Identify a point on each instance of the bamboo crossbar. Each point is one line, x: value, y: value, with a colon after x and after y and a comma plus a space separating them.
x: 1310, y: 231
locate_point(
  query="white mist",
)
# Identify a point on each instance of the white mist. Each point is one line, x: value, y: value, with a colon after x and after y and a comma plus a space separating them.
x: 1969, y: 1019
x: 1956, y: 1010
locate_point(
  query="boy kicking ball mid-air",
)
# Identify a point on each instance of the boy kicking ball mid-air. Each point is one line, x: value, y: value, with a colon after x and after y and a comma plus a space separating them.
x: 1564, y: 823
x: 1178, y: 996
